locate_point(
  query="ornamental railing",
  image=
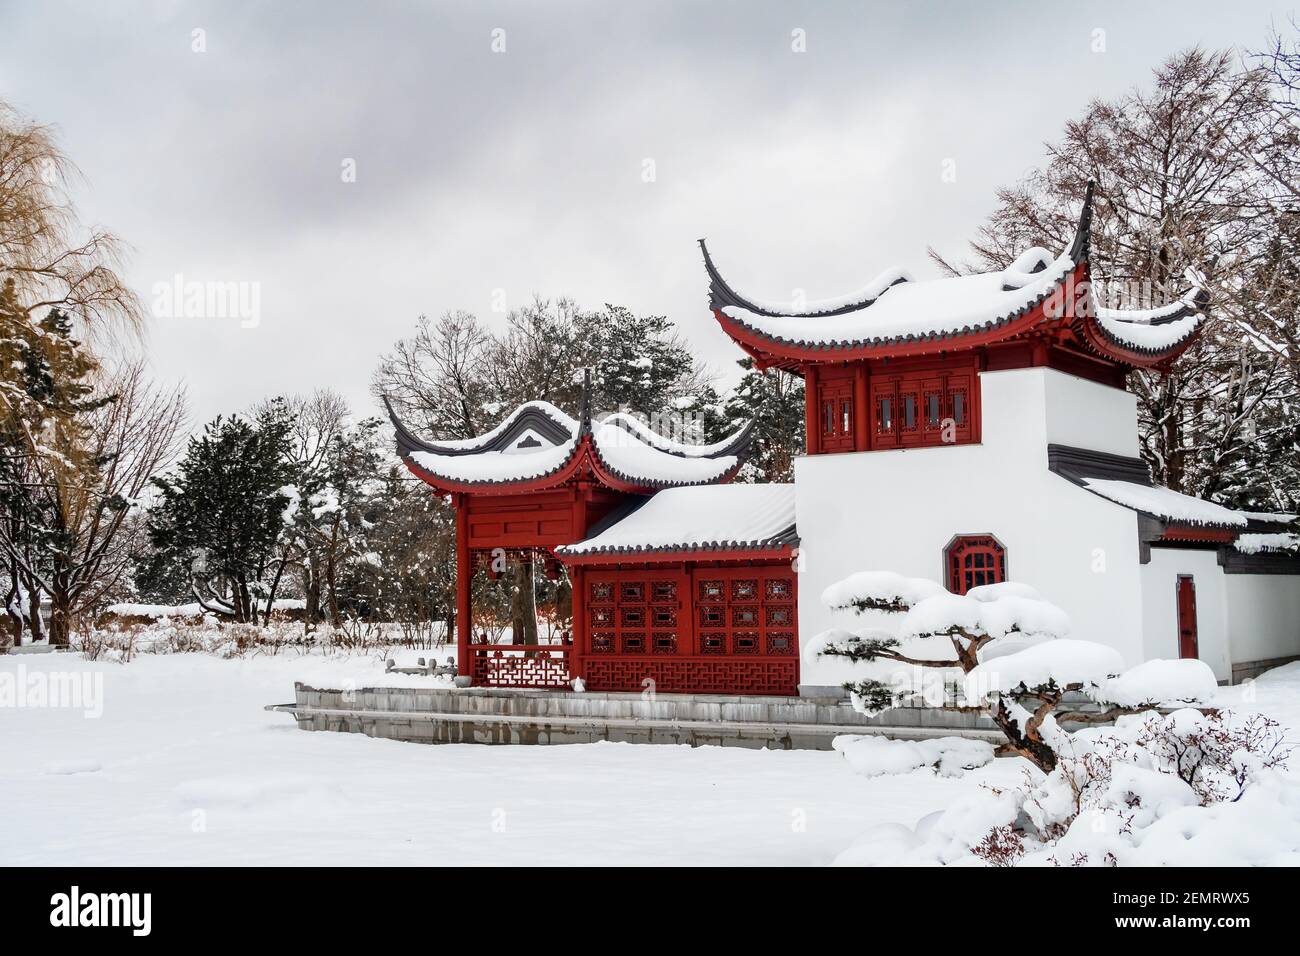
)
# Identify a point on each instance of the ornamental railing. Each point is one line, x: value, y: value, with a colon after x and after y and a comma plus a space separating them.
x: 521, y: 665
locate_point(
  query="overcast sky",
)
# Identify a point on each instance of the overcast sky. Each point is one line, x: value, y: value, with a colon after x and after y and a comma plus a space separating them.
x: 525, y: 170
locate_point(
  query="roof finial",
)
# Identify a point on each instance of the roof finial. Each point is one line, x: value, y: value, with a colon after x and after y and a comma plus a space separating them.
x: 1083, y: 232
x: 584, y: 406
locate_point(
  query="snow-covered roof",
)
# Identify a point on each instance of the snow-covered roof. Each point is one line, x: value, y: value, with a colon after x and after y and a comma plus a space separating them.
x: 706, y: 518
x: 907, y: 310
x: 1283, y: 543
x: 1166, y: 504
x: 537, y: 441
x: 894, y: 313
x: 1151, y: 331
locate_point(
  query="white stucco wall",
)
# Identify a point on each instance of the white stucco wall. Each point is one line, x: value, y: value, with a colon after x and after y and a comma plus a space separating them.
x: 897, y: 510
x: 1087, y: 415
x: 1263, y: 616
x: 1160, y: 606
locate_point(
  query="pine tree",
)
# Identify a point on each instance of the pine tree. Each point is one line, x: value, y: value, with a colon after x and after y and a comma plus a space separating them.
x: 222, y: 514
x: 774, y: 401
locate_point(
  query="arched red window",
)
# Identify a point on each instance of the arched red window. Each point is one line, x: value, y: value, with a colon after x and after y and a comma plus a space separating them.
x: 974, y: 559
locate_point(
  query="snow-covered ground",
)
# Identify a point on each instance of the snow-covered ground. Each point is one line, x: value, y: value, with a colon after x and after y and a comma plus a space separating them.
x: 185, y: 767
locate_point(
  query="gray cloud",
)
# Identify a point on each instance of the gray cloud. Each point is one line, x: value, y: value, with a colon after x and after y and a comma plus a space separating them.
x: 523, y: 171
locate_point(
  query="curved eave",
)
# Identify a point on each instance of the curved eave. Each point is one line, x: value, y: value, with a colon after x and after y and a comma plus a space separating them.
x: 1099, y: 340
x: 556, y: 478
x: 584, y: 461
x: 722, y: 295
x: 621, y: 481
x: 768, y: 350
x: 775, y: 349
x: 407, y: 442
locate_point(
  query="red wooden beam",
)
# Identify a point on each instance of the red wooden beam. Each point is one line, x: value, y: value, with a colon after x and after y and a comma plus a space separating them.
x: 638, y: 558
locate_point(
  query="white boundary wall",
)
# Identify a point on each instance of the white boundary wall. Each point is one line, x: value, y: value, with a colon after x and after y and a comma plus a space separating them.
x: 897, y: 510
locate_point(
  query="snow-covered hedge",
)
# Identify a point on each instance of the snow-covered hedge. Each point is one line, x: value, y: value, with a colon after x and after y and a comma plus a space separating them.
x: 1153, y: 790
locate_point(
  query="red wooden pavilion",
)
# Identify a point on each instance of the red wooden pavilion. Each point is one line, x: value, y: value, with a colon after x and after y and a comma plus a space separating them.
x: 679, y: 581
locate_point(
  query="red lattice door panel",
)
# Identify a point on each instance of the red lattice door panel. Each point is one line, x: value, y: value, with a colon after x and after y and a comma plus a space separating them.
x: 715, y: 630
x: 635, y: 612
x: 746, y: 612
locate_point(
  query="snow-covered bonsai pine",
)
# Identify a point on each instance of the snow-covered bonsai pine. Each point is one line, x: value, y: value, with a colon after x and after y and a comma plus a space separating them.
x: 1010, y: 645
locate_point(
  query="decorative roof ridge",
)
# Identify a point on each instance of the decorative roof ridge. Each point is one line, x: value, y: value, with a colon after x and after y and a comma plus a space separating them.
x: 737, y: 443
x: 530, y: 415
x: 659, y: 483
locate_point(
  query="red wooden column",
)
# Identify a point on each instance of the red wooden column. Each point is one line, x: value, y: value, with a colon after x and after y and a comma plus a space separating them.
x: 464, y: 571
x: 861, y: 417
x: 812, y: 439
x: 577, y: 581
x: 577, y: 651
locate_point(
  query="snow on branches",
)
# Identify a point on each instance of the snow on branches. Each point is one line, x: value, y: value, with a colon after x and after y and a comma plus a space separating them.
x: 1010, y: 645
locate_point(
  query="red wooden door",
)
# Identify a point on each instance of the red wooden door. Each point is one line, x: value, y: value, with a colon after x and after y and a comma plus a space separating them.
x: 838, y: 420
x: 1187, y: 646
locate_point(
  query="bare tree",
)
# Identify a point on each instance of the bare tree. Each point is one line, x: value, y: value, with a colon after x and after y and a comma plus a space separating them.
x: 1182, y: 200
x: 52, y: 260
x: 83, y: 486
x: 435, y: 378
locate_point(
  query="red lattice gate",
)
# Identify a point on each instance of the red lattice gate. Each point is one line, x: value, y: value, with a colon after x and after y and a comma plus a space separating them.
x: 702, y: 630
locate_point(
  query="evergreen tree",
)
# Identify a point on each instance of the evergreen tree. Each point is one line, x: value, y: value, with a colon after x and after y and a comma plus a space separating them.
x: 47, y: 459
x: 223, y: 513
x: 774, y: 401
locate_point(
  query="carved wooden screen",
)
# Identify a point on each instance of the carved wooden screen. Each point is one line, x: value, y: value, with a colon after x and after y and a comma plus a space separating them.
x: 711, y: 630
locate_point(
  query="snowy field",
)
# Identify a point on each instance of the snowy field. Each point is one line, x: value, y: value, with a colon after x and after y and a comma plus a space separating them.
x: 185, y: 767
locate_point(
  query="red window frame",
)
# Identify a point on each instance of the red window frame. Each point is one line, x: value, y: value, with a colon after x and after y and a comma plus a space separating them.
x: 923, y: 409
x: 971, y: 560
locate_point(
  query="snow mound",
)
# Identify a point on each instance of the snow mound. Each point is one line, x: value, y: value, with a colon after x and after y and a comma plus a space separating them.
x: 993, y: 613
x: 995, y: 592
x: 873, y: 755
x: 1061, y: 661
x: 941, y: 614
x: 878, y: 587
x: 1158, y: 682
x: 1118, y: 797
